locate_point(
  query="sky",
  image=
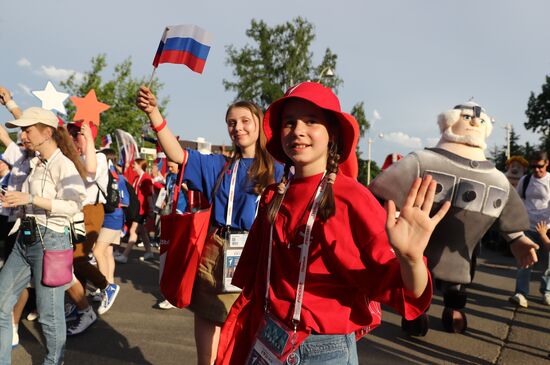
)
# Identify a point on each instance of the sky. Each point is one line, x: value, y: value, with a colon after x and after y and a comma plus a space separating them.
x: 407, y: 60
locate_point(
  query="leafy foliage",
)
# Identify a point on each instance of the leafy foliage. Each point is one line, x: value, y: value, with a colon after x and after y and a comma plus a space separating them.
x: 358, y: 111
x: 363, y: 170
x: 498, y: 155
x: 279, y: 58
x: 538, y: 114
x: 119, y: 93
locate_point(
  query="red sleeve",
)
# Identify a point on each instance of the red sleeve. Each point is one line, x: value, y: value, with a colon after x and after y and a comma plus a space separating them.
x: 381, y: 278
x: 158, y: 185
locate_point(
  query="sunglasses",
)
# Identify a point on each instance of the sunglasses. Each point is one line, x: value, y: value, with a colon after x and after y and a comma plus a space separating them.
x: 537, y: 166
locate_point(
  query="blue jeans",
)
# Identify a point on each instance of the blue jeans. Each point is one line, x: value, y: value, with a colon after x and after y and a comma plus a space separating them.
x: 524, y: 275
x: 329, y: 350
x: 24, y: 263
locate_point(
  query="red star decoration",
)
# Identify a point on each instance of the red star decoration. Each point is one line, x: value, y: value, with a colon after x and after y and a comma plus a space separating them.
x: 88, y: 108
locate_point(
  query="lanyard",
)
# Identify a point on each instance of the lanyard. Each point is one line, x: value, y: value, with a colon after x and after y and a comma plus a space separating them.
x: 231, y: 196
x: 136, y: 184
x: 303, y: 254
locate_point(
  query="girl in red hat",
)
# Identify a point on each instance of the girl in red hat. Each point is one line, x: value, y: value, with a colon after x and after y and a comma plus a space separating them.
x: 322, y: 253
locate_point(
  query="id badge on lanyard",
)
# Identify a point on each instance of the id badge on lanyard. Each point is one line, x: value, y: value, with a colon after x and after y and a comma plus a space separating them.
x: 231, y: 256
x: 275, y: 344
x: 235, y: 240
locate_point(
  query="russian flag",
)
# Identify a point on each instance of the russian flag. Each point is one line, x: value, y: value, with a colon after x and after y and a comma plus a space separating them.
x: 184, y: 44
x: 106, y: 141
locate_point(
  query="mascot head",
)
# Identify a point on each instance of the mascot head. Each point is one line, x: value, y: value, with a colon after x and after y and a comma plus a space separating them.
x: 467, y: 123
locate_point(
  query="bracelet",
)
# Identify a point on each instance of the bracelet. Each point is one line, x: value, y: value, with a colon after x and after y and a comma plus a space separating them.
x: 31, y: 199
x: 10, y: 105
x: 159, y: 127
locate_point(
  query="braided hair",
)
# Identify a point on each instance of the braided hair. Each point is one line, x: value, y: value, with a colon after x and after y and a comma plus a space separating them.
x: 327, y: 207
x: 276, y: 202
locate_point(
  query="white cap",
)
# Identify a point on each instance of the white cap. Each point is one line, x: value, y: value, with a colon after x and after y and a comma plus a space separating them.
x: 34, y: 115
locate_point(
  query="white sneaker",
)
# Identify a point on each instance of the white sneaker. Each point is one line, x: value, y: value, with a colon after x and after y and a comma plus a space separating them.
x: 147, y: 256
x: 546, y: 299
x: 85, y: 320
x: 121, y: 259
x: 520, y: 300
x: 166, y: 305
x: 15, y: 336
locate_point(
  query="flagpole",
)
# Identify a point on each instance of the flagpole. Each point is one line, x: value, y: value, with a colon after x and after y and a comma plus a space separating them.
x: 152, y: 76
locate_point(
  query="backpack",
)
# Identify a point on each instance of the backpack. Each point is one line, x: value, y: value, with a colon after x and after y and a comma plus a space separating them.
x: 132, y: 212
x: 112, y: 196
x: 123, y: 191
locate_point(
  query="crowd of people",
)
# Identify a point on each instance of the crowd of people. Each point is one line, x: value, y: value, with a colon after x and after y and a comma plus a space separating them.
x: 54, y: 180
x: 319, y: 252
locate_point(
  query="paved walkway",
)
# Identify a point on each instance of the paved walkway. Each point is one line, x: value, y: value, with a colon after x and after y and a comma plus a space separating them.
x: 134, y: 332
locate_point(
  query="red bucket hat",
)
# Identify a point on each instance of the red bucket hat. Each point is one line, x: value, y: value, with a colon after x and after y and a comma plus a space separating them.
x: 324, y: 98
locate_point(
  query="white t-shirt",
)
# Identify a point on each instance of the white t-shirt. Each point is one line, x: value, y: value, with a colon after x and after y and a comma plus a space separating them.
x: 102, y: 179
x: 537, y: 199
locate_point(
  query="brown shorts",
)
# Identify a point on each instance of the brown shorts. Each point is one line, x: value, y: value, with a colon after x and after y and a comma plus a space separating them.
x: 206, y: 301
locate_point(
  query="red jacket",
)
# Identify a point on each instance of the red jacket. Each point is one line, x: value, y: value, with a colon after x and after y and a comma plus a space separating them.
x: 351, y: 267
x: 143, y: 185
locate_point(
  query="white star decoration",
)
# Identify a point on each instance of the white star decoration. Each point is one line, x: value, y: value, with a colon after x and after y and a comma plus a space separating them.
x: 51, y: 98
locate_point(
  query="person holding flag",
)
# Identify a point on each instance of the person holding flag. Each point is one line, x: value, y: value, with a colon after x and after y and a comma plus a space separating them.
x: 243, y: 176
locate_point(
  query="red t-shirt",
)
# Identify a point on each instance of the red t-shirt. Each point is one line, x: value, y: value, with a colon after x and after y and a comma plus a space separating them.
x: 143, y: 185
x: 351, y: 267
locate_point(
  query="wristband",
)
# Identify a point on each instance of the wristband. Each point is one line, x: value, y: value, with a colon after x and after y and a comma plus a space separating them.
x: 10, y: 105
x: 159, y: 127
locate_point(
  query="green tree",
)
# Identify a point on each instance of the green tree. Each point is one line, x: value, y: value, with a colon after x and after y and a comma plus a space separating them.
x: 363, y: 170
x: 498, y: 154
x: 119, y: 93
x: 358, y: 111
x: 279, y: 58
x: 538, y: 114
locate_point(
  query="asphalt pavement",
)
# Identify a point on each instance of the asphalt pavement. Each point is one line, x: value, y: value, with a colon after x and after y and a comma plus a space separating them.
x: 134, y: 331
